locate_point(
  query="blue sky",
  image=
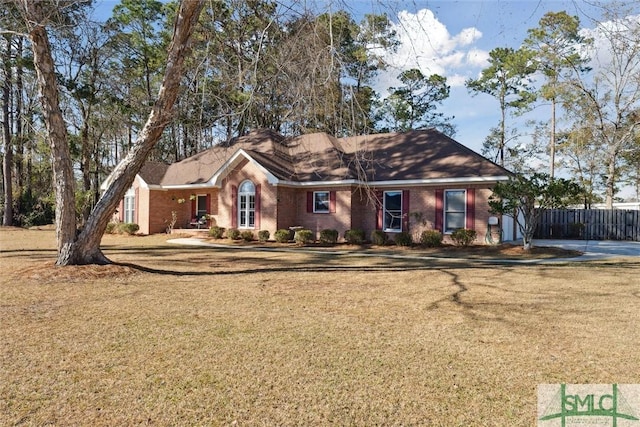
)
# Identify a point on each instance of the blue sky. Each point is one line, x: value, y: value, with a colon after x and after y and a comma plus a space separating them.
x: 453, y: 38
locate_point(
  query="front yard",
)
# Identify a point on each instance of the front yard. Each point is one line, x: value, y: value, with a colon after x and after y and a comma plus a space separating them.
x: 205, y: 336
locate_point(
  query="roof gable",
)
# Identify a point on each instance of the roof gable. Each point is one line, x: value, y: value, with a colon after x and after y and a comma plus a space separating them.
x: 234, y: 161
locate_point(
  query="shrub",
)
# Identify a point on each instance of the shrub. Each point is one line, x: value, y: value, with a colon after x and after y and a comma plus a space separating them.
x: 431, y: 238
x: 379, y: 237
x: 216, y: 232
x: 354, y: 237
x: 247, y: 235
x: 128, y: 228
x: 463, y: 236
x: 233, y: 233
x: 303, y: 237
x: 328, y: 236
x: 37, y: 210
x: 403, y: 239
x: 263, y: 235
x: 111, y: 228
x: 282, y: 235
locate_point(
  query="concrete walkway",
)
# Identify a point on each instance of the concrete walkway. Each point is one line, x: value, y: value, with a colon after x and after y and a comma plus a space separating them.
x: 593, y: 250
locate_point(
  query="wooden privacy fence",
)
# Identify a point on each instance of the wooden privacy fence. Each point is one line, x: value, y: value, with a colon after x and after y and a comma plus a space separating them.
x: 589, y: 224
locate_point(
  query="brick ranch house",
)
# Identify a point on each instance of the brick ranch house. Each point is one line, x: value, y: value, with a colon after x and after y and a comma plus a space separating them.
x: 263, y: 181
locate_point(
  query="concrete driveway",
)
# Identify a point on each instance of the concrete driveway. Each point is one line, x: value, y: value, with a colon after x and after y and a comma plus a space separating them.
x: 595, y: 248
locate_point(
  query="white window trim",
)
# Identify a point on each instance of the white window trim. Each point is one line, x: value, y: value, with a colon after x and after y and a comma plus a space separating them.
x: 129, y: 206
x: 247, y: 210
x: 328, y: 210
x: 444, y: 209
x: 384, y: 211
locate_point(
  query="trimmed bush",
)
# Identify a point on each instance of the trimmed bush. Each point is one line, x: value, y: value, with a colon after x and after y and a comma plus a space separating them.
x: 328, y: 236
x: 233, y: 233
x: 431, y: 238
x: 128, y: 228
x: 216, y: 232
x: 111, y: 228
x: 379, y: 237
x: 354, y: 237
x: 463, y: 236
x: 263, y: 235
x: 247, y: 235
x: 303, y: 237
x: 282, y: 235
x: 403, y: 239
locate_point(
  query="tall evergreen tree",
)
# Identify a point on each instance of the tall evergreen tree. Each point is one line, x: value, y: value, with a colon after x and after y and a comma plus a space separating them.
x: 414, y: 105
x: 507, y: 78
x: 556, y: 44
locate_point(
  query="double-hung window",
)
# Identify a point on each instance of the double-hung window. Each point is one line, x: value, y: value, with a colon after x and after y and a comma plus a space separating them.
x: 247, y: 205
x: 321, y: 202
x: 130, y: 206
x: 392, y: 205
x: 454, y: 210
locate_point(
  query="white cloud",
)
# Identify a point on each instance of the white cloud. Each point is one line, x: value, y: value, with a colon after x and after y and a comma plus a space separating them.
x: 468, y: 36
x: 478, y: 58
x: 427, y: 44
x: 613, y: 36
x: 456, y: 80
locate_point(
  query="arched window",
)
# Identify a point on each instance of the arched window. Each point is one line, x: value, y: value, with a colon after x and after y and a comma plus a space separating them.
x: 247, y: 205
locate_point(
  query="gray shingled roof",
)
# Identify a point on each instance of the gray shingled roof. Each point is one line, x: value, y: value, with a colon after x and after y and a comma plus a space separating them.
x: 418, y: 154
x: 153, y: 172
x: 415, y: 155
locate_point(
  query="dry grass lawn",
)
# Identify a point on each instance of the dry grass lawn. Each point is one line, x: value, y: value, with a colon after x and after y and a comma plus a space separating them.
x: 202, y: 336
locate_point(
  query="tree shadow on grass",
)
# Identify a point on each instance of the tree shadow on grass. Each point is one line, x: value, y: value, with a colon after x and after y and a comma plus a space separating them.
x: 301, y: 268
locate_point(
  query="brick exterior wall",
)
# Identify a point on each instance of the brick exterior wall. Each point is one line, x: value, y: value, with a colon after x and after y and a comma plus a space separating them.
x: 287, y: 207
x: 339, y: 220
x: 155, y: 207
x: 268, y: 197
x: 422, y: 210
x: 284, y: 207
x: 363, y: 207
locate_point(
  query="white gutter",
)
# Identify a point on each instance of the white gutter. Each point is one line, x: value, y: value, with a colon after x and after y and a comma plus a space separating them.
x: 397, y: 183
x: 345, y: 182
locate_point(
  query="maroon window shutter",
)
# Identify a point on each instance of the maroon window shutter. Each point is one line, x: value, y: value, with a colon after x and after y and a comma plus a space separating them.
x: 257, y: 207
x: 332, y: 201
x: 234, y: 206
x: 439, y: 210
x: 208, y: 203
x: 309, y: 201
x: 471, y: 208
x: 405, y: 210
x: 194, y: 208
x: 379, y: 210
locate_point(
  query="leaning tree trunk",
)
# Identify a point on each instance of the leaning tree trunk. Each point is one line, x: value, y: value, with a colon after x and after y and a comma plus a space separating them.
x: 85, y: 247
x: 63, y: 179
